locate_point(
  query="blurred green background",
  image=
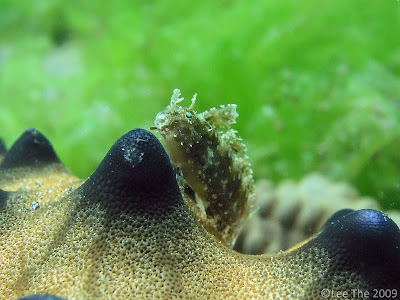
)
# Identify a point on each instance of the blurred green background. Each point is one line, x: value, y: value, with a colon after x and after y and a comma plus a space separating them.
x: 317, y: 83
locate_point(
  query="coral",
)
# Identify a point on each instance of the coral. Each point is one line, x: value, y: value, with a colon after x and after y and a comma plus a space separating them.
x: 127, y: 233
x: 291, y: 212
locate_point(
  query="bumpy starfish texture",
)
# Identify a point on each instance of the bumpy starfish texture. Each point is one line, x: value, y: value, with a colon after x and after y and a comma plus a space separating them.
x: 127, y: 233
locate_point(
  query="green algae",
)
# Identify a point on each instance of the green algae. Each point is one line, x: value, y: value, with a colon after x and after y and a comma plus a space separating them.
x: 317, y: 88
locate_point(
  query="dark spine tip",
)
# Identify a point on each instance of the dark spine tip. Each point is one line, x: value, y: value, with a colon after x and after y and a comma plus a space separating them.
x: 365, y: 242
x: 3, y: 148
x: 32, y: 149
x: 3, y: 198
x: 135, y: 174
x: 336, y: 216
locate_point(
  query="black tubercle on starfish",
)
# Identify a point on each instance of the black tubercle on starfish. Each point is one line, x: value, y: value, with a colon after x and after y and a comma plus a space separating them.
x: 3, y: 198
x: 135, y: 175
x: 32, y: 149
x: 336, y: 216
x: 364, y: 242
x: 3, y: 148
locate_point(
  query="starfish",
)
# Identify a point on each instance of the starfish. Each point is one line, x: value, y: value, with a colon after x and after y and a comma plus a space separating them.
x: 3, y: 149
x: 127, y: 233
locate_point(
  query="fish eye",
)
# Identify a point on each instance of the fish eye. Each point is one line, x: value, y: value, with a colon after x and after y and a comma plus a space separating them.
x: 188, y: 116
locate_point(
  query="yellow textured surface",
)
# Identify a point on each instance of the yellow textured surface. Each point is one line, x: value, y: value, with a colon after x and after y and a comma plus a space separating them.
x: 66, y: 250
x: 58, y: 241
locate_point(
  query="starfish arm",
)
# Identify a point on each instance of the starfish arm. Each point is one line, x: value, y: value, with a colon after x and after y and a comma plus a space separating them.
x: 127, y: 233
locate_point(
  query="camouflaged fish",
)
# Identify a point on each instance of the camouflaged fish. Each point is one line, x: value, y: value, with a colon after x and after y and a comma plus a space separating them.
x: 213, y: 168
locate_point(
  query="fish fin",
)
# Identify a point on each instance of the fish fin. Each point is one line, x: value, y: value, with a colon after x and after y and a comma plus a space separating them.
x: 222, y: 116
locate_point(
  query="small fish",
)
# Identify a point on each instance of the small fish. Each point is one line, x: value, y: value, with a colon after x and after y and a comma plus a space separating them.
x: 213, y: 168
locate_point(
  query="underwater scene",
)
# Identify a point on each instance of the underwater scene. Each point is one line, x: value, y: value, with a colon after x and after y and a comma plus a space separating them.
x: 206, y: 150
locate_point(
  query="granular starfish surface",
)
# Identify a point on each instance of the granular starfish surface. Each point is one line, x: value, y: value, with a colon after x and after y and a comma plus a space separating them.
x: 126, y: 233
